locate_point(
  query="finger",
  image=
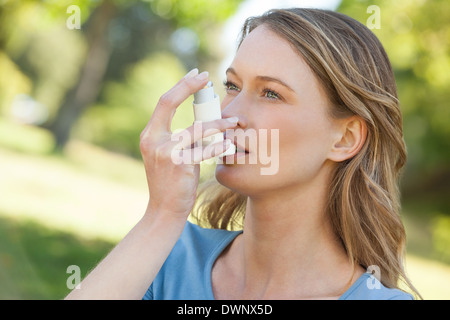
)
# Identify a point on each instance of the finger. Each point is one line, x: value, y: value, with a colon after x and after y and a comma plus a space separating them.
x: 169, y: 102
x: 155, y: 115
x: 199, y: 154
x: 200, y: 130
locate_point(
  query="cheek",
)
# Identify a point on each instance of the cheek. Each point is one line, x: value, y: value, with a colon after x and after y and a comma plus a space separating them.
x: 304, y: 146
x: 289, y: 151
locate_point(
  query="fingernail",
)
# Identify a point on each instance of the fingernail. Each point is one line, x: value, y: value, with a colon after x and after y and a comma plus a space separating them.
x: 191, y: 73
x: 233, y: 119
x: 203, y: 76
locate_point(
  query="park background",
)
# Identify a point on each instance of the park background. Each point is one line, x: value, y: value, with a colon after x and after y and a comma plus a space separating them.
x: 74, y: 101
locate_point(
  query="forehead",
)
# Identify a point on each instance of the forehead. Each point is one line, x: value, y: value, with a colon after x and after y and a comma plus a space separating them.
x: 263, y: 52
x: 262, y: 37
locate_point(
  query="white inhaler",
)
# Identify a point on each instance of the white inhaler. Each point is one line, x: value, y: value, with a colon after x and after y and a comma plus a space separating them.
x: 207, y: 108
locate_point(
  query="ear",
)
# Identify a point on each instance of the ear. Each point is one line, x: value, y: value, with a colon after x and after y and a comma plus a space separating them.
x: 350, y: 137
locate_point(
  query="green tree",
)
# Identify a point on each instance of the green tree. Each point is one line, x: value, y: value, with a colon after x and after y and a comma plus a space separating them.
x: 114, y: 33
x: 197, y: 15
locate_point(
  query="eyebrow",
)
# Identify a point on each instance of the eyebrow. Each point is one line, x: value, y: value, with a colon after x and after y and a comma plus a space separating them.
x: 264, y: 78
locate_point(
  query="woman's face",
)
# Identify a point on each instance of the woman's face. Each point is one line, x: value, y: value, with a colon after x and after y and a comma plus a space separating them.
x: 283, y: 118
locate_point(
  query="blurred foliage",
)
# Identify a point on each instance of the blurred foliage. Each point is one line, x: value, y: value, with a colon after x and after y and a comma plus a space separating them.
x: 12, y: 82
x: 117, y: 122
x: 26, y: 139
x: 441, y: 237
x: 66, y: 72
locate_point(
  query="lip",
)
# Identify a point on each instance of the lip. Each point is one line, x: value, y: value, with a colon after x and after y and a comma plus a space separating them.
x: 239, y: 147
x: 232, y: 159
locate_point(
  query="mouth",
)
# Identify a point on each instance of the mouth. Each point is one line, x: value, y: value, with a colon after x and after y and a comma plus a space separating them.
x: 239, y: 147
x: 239, y: 150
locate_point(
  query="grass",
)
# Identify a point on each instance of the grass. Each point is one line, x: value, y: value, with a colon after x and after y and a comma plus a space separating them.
x: 57, y: 211
x: 70, y: 196
x: 34, y: 259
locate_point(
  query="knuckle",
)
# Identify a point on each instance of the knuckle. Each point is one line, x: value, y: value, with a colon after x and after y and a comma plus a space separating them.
x: 189, y: 85
x: 210, y: 131
x: 145, y: 146
x: 159, y: 152
x: 217, y: 125
x: 142, y: 135
x: 166, y: 100
x: 223, y: 123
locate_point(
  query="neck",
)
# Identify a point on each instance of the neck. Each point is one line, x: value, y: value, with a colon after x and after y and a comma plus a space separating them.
x: 288, y: 242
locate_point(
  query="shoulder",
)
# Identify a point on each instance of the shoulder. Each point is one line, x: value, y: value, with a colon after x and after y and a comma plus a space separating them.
x: 367, y: 287
x: 185, y: 273
x: 203, y: 238
x: 196, y: 245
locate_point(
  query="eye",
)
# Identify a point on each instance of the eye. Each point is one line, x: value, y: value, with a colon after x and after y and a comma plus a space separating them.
x: 230, y: 86
x: 270, y: 94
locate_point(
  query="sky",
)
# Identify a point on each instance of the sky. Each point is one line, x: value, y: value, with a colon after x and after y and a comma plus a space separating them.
x: 256, y: 7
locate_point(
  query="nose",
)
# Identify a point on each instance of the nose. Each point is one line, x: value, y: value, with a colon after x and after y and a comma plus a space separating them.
x: 235, y: 108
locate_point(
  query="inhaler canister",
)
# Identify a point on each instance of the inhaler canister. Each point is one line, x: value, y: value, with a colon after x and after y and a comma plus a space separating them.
x: 207, y: 108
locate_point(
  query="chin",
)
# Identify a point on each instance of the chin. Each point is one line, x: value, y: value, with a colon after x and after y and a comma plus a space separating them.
x: 240, y: 178
x: 234, y: 177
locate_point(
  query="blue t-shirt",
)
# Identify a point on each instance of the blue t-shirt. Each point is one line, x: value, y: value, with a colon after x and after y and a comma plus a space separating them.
x: 186, y: 273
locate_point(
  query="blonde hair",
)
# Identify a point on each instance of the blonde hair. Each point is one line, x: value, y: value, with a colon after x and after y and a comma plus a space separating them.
x: 364, y: 203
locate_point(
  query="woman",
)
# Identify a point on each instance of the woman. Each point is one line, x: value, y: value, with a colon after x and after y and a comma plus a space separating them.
x: 318, y: 227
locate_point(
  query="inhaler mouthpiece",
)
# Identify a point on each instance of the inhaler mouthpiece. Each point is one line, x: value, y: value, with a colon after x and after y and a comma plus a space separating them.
x: 207, y: 108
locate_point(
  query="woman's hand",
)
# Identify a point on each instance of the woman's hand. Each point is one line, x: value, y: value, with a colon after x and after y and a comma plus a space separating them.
x: 133, y: 264
x: 173, y: 185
